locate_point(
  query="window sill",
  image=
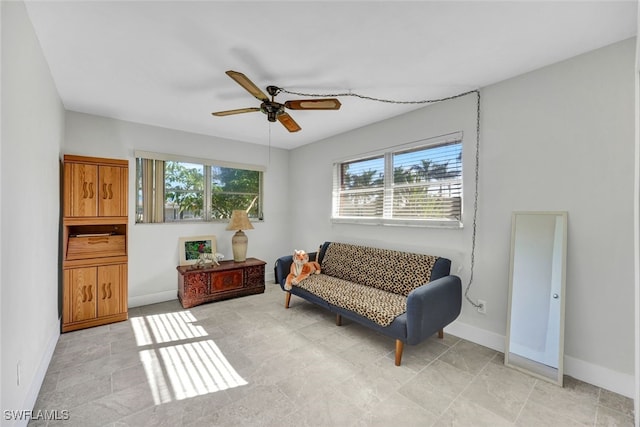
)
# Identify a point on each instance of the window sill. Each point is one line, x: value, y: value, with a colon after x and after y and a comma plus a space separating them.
x: 421, y: 223
x: 197, y: 221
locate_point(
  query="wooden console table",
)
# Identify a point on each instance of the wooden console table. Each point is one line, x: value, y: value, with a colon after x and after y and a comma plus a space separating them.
x: 230, y: 279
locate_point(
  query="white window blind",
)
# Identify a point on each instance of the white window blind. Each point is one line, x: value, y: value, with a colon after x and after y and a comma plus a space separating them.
x: 361, y: 188
x: 414, y: 185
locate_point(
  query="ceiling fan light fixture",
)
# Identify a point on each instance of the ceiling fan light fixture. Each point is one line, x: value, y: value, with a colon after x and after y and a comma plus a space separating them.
x: 272, y: 110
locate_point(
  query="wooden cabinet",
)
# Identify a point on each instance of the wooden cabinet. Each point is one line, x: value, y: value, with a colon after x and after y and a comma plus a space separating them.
x: 80, y: 290
x: 80, y: 186
x: 94, y: 293
x: 92, y: 190
x: 95, y: 232
x: 230, y: 279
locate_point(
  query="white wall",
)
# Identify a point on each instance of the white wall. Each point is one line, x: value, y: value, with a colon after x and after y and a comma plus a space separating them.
x: 636, y: 231
x: 32, y: 130
x: 557, y: 139
x: 1, y: 119
x: 153, y: 248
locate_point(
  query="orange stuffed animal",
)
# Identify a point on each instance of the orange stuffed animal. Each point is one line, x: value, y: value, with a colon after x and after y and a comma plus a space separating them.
x: 301, y: 268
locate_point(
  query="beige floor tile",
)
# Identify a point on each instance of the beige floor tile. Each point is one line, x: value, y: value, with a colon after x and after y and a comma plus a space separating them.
x: 112, y: 407
x: 437, y: 386
x: 128, y: 377
x: 295, y: 367
x: 615, y: 401
x: 463, y: 412
x: 263, y: 405
x: 501, y: 390
x: 325, y: 409
x: 534, y: 415
x: 468, y: 356
x: 397, y: 410
x: 75, y: 395
x: 611, y: 417
x: 380, y: 379
x: 576, y: 400
x: 168, y: 415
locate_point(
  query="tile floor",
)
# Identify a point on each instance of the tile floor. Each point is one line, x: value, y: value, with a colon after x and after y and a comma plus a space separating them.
x: 250, y: 362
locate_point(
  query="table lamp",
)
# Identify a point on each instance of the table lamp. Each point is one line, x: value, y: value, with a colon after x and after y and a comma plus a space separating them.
x: 239, y: 221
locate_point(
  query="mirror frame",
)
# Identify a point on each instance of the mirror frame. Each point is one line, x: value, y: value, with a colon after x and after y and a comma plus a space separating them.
x: 521, y: 363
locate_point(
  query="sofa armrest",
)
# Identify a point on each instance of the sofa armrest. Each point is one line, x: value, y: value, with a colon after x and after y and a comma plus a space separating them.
x: 433, y: 306
x: 282, y: 267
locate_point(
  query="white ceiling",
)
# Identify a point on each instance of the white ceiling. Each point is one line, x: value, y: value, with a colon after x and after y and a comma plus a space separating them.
x: 162, y: 63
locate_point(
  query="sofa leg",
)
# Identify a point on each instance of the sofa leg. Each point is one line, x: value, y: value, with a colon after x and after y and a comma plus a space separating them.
x: 441, y: 333
x: 399, y: 348
x: 287, y: 299
x: 338, y: 320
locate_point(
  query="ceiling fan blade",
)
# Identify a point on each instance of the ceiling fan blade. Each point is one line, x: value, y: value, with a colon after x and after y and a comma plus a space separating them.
x: 249, y: 86
x: 313, y: 104
x: 288, y: 122
x: 238, y: 111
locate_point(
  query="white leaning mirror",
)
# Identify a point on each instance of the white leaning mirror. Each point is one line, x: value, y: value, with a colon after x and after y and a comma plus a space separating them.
x: 535, y: 319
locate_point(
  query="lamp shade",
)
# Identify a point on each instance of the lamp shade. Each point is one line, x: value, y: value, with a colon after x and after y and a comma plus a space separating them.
x: 239, y: 221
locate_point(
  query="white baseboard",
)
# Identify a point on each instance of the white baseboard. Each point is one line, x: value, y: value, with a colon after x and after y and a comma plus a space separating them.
x: 152, y: 298
x: 477, y: 335
x: 597, y: 375
x: 600, y: 376
x: 38, y: 378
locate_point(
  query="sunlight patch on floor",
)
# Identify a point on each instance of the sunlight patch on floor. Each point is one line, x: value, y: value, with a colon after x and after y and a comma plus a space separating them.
x: 166, y: 327
x: 177, y: 363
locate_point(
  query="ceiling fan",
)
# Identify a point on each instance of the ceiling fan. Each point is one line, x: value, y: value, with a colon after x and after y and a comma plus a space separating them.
x: 275, y: 110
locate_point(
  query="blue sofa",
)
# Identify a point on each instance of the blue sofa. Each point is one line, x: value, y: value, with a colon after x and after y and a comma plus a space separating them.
x: 402, y: 295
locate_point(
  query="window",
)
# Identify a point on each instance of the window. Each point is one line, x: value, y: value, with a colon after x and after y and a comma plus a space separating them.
x: 173, y: 189
x: 413, y: 185
x: 184, y: 196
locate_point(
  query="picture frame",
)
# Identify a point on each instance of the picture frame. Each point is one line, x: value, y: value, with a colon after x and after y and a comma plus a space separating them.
x: 188, y: 248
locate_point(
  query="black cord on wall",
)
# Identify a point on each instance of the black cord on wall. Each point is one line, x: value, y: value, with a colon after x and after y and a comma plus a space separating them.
x: 477, y: 160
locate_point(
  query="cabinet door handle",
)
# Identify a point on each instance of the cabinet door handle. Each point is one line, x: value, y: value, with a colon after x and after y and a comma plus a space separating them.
x: 109, y: 288
x: 91, y: 190
x: 110, y: 192
x: 90, y: 294
x: 104, y: 292
x: 84, y: 294
x: 104, y: 191
x: 97, y: 240
x: 84, y: 190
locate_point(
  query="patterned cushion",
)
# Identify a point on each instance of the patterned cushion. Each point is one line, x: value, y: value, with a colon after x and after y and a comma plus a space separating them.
x: 388, y: 270
x: 377, y: 305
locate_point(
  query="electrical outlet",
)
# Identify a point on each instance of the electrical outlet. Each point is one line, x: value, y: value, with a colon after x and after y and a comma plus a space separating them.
x: 18, y: 372
x: 483, y: 306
